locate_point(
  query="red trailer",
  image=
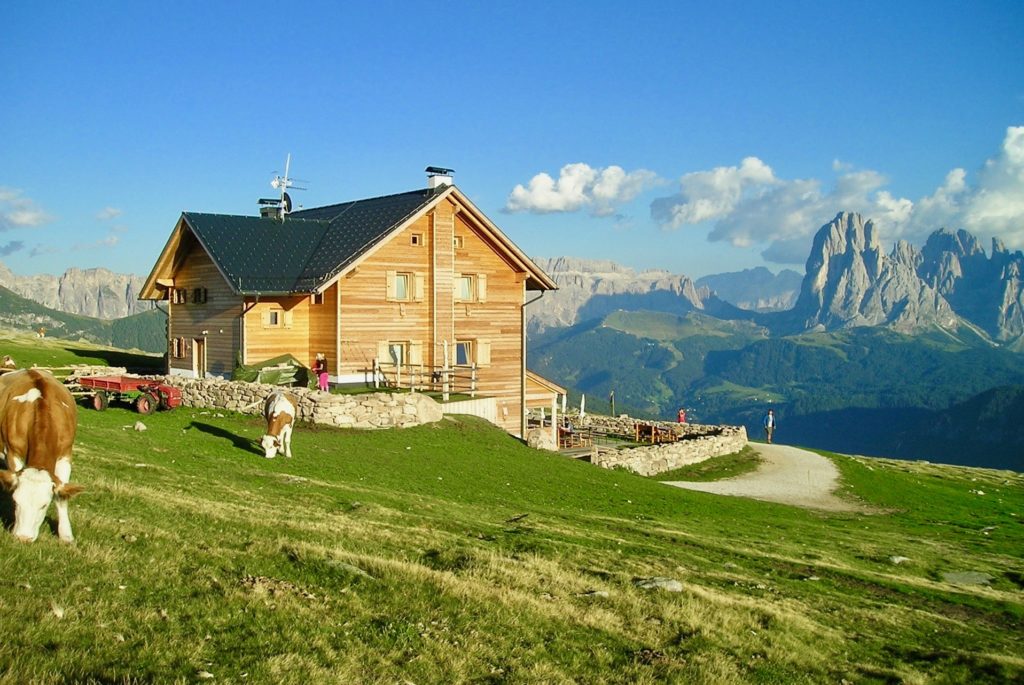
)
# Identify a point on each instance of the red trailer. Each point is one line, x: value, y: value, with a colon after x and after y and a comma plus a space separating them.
x: 146, y: 394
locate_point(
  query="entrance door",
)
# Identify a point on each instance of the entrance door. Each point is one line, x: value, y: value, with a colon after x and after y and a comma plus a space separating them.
x: 199, y: 357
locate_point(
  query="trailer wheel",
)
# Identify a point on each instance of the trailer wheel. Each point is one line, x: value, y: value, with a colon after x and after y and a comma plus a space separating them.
x: 146, y: 403
x: 100, y: 400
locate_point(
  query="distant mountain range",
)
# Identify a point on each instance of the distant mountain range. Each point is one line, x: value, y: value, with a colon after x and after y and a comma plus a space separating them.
x: 949, y: 284
x: 146, y: 331
x: 98, y: 293
x: 757, y: 290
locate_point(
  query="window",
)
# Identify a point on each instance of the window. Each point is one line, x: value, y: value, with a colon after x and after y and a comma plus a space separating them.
x: 398, y: 353
x: 465, y: 288
x: 463, y: 353
x: 277, y: 318
x: 403, y: 286
x: 473, y: 352
x: 471, y: 288
x: 458, y: 243
x: 416, y: 239
x: 179, y: 296
x: 199, y: 295
x: 179, y: 350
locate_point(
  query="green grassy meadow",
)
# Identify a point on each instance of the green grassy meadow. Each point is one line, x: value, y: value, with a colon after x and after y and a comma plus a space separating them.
x: 30, y: 351
x: 451, y: 553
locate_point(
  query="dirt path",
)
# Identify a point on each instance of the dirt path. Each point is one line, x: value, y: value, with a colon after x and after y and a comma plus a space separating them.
x: 788, y: 475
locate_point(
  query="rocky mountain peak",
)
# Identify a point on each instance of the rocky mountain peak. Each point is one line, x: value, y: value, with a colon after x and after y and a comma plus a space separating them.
x: 851, y: 282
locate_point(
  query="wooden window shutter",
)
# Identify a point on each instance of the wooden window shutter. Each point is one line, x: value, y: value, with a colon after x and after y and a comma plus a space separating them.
x: 390, y: 293
x: 483, y: 352
x: 419, y: 285
x: 481, y: 287
x: 383, y: 356
x: 266, y: 318
x: 287, y: 318
x: 415, y: 353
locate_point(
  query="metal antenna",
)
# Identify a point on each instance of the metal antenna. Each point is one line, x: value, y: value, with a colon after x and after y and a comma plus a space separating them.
x: 284, y: 183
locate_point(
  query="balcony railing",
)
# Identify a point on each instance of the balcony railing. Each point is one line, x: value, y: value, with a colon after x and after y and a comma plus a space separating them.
x: 446, y: 380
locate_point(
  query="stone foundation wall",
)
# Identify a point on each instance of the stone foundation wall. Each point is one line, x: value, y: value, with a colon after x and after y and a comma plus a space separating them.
x: 696, y: 443
x: 373, y: 410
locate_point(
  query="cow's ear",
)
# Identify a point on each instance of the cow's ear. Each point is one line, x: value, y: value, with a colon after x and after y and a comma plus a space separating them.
x: 67, y: 490
x: 8, y: 479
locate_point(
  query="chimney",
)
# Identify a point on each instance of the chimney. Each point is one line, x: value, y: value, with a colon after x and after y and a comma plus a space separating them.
x: 438, y: 176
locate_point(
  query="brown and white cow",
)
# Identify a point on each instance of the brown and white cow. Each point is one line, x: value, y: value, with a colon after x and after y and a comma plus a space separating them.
x: 279, y: 409
x: 38, y: 419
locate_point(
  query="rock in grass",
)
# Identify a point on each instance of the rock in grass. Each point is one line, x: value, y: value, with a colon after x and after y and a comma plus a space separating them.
x: 658, y: 583
x: 967, y: 578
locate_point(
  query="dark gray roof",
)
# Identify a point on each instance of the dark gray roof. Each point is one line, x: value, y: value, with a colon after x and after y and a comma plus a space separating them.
x: 307, y: 249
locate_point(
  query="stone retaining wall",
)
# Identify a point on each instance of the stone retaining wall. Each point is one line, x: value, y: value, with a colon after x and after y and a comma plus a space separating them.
x: 696, y: 443
x: 372, y: 410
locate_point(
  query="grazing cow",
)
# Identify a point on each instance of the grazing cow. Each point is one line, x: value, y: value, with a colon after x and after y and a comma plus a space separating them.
x: 38, y: 419
x: 279, y: 410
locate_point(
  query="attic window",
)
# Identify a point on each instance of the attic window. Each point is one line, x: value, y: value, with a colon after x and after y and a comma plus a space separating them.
x: 199, y: 295
x: 416, y: 239
x: 458, y: 243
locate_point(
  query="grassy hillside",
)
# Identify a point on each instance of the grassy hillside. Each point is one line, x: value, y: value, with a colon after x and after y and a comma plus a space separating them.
x: 650, y: 359
x: 29, y: 351
x: 451, y: 553
x: 146, y: 331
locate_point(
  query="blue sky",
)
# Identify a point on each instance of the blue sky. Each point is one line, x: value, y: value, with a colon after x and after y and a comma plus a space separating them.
x: 669, y: 135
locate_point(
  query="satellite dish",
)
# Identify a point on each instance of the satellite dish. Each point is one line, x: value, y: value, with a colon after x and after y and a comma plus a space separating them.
x: 282, y: 206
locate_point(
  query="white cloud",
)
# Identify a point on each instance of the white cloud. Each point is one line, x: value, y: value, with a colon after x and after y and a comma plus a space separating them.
x: 108, y: 213
x: 706, y: 195
x: 997, y: 204
x: 17, y: 211
x: 750, y: 205
x: 580, y: 186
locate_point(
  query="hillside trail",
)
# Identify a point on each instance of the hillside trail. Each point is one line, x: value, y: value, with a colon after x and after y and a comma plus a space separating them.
x: 787, y: 475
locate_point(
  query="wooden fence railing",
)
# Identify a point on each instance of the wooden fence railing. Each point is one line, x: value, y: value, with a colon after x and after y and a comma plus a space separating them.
x: 460, y: 379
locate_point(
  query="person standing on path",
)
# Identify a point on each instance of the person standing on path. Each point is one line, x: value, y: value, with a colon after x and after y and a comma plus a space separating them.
x: 769, y: 425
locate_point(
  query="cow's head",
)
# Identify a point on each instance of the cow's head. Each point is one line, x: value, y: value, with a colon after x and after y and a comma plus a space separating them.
x: 32, y: 491
x: 271, y: 444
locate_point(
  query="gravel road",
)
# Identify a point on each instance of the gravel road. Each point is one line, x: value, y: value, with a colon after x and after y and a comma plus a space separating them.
x: 788, y: 475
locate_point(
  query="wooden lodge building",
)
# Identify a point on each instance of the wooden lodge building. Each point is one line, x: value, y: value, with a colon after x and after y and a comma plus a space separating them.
x: 416, y: 289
